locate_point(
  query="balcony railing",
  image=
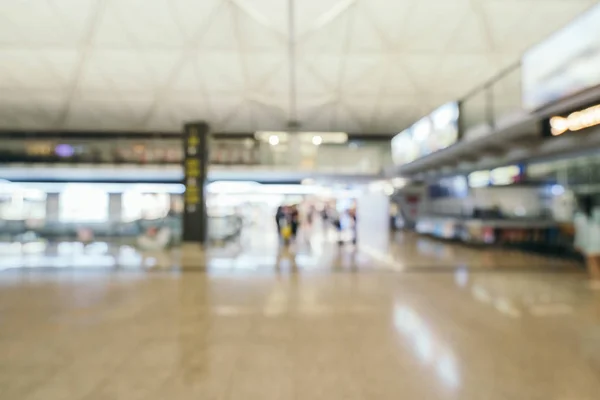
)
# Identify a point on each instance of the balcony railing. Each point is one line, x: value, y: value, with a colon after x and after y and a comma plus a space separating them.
x: 366, y: 158
x: 488, y: 105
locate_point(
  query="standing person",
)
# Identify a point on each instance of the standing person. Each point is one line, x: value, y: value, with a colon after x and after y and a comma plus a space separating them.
x: 352, y: 214
x: 279, y: 214
x: 336, y: 220
x: 325, y: 214
x: 294, y: 220
x: 587, y: 235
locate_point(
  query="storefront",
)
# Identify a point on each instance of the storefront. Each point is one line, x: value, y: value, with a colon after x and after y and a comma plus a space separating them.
x: 61, y: 209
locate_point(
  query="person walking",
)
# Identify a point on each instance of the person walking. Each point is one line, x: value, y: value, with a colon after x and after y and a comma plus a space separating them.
x: 587, y: 234
x: 279, y: 214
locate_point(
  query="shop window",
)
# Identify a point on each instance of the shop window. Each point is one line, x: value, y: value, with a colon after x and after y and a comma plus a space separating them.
x: 21, y: 204
x: 83, y: 203
x: 149, y: 206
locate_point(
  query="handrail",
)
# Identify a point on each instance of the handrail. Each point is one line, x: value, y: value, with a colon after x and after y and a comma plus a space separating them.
x: 482, y: 86
x: 497, y: 97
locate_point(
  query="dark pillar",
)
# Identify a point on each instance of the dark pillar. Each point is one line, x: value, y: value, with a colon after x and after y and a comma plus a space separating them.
x: 195, y: 165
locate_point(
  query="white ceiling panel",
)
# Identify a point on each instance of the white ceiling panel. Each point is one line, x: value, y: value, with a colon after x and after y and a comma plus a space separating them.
x: 114, y: 114
x: 178, y: 108
x: 36, y: 70
x: 127, y: 70
x: 35, y: 110
x: 50, y: 23
x: 359, y: 65
x: 222, y: 72
x: 130, y: 23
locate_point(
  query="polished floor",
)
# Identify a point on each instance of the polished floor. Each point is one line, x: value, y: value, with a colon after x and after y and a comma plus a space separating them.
x: 420, y: 320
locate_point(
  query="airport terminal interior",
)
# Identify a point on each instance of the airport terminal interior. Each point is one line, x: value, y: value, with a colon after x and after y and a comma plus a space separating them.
x: 299, y: 199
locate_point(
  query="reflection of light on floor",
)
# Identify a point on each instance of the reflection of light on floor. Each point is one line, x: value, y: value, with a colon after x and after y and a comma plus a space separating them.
x: 150, y: 262
x: 545, y: 310
x: 97, y: 248
x: 534, y: 296
x: 448, y: 370
x: 506, y: 307
x: 69, y: 248
x: 480, y: 294
x: 384, y: 258
x: 127, y: 256
x: 425, y: 346
x: 228, y: 311
x: 461, y: 277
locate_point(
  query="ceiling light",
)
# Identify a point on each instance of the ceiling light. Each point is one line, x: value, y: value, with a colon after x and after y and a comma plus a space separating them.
x: 317, y: 140
x: 273, y: 140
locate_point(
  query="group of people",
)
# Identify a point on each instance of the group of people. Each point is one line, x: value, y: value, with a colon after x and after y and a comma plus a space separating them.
x: 289, y: 219
x: 587, y: 234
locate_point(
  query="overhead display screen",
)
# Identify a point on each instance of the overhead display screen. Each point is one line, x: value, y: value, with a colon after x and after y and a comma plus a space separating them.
x: 404, y: 148
x: 500, y: 176
x: 432, y: 133
x: 563, y: 65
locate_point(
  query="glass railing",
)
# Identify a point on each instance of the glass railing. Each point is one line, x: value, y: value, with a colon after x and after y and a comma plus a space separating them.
x: 487, y: 105
x: 160, y: 232
x: 366, y: 158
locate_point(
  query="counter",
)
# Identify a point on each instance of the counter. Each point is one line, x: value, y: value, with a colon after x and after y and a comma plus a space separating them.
x: 524, y: 233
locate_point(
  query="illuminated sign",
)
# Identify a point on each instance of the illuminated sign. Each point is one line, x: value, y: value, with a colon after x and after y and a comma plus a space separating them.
x: 432, y: 133
x: 505, y: 175
x: 575, y: 121
x: 479, y: 179
x: 195, y: 148
x: 496, y: 177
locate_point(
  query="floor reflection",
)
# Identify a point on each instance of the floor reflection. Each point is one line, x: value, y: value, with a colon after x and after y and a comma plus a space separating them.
x: 532, y: 295
x: 346, y: 334
x: 430, y: 350
x: 316, y: 249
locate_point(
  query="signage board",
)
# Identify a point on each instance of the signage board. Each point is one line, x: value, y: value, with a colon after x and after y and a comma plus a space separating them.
x: 455, y: 186
x: 565, y: 64
x: 432, y: 133
x: 500, y: 176
x: 575, y: 121
x: 195, y: 148
x: 404, y: 148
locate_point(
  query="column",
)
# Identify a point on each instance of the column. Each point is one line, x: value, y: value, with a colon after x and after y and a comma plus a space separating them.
x: 373, y: 221
x: 195, y: 146
x: 52, y: 207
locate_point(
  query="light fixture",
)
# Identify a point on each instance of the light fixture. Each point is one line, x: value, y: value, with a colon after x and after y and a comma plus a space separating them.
x: 273, y: 140
x: 317, y: 140
x: 576, y: 121
x: 557, y: 190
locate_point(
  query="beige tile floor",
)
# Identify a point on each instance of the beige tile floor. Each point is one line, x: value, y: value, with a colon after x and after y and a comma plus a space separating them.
x: 334, y: 324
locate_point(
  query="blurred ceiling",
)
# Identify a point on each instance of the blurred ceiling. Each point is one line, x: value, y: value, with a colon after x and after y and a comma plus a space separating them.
x: 368, y: 66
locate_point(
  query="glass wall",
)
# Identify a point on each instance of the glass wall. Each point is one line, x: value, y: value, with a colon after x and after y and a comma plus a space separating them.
x: 348, y: 157
x: 61, y: 211
x: 80, y: 203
